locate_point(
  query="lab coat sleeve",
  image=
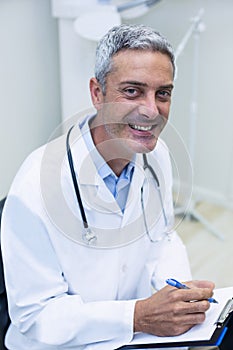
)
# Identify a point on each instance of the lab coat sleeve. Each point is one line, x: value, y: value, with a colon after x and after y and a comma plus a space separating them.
x: 40, y: 305
x: 173, y: 262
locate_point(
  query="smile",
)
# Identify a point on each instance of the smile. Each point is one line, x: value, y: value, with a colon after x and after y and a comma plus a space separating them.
x: 141, y: 128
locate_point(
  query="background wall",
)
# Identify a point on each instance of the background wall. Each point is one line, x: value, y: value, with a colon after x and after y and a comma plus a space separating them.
x: 29, y: 82
x: 31, y: 46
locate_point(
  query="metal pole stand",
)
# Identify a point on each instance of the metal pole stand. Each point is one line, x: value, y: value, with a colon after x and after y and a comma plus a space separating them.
x: 195, y: 30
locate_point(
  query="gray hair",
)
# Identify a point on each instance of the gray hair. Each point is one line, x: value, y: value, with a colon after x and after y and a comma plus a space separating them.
x: 136, y: 37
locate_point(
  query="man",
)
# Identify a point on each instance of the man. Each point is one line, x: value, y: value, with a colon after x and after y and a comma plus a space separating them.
x: 71, y: 287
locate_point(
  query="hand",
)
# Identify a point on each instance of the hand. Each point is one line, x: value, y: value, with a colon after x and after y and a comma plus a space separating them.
x: 173, y: 311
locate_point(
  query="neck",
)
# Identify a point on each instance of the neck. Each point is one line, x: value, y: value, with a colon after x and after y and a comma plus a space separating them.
x: 117, y: 165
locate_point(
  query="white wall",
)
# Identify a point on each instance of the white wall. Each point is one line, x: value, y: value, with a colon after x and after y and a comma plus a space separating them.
x: 29, y: 82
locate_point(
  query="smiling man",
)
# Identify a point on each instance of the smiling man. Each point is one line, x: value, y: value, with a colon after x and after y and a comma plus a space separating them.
x: 87, y: 231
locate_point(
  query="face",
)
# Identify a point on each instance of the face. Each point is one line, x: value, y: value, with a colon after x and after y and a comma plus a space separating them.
x: 137, y: 101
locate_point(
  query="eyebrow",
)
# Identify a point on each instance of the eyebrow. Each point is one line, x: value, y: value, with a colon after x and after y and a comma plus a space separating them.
x: 138, y: 83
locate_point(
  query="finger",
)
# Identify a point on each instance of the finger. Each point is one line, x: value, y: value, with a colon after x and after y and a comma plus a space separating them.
x: 193, y: 294
x: 188, y: 295
x: 197, y: 307
x: 199, y: 294
x: 201, y: 284
x: 181, y: 324
x: 184, y: 308
x: 192, y: 319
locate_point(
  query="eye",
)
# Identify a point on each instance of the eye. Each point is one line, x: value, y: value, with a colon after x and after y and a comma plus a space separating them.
x: 164, y: 94
x: 131, y: 92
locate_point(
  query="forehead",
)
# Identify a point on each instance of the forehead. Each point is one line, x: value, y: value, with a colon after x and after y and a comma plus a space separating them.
x: 138, y: 62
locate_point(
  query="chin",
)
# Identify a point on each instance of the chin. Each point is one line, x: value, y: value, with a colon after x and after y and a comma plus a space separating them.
x: 137, y: 147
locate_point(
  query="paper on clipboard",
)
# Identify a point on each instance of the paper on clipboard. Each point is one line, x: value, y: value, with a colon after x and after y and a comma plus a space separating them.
x: 203, y: 331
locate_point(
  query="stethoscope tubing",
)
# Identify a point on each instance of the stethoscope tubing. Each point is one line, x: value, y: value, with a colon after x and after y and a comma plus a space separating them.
x: 78, y: 195
x: 75, y: 182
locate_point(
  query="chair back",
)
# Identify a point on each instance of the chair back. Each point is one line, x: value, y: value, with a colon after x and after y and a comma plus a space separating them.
x: 4, y: 316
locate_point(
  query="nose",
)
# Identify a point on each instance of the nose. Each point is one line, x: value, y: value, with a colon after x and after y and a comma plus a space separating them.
x: 148, y: 107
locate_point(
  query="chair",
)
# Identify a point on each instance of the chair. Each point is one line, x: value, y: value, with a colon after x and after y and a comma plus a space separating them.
x: 4, y: 316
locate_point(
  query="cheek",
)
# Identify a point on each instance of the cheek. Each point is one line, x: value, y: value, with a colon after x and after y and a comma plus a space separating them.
x: 114, y: 115
x: 113, y: 128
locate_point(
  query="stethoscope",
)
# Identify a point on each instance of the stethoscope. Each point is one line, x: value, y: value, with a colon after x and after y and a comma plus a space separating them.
x: 88, y: 235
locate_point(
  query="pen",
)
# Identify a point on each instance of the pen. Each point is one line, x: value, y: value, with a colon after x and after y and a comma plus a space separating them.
x: 174, y: 283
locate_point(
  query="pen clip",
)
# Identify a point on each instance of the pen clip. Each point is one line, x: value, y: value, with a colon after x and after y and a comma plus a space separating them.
x: 228, y: 308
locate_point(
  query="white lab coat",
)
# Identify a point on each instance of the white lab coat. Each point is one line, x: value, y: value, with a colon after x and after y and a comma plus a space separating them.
x: 62, y: 293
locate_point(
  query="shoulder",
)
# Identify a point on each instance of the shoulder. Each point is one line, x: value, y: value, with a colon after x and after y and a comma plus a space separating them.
x: 28, y: 179
x: 27, y: 174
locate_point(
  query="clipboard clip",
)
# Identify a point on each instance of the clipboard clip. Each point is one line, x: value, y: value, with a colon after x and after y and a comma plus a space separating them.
x: 227, y: 310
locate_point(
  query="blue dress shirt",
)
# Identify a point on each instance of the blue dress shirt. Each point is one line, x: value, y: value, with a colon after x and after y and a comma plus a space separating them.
x: 118, y: 186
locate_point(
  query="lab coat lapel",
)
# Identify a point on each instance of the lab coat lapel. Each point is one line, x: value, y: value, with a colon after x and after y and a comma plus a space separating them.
x: 93, y: 189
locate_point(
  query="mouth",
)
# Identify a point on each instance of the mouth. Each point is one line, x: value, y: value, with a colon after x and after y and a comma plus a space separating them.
x: 140, y: 127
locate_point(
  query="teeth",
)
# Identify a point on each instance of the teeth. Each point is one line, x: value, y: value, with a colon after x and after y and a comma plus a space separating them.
x: 141, y: 128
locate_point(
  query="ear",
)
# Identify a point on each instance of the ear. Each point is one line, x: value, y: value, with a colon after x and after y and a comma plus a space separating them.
x: 96, y: 93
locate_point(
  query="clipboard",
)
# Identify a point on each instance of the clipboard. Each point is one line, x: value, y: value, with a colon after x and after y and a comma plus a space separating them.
x: 222, y: 324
